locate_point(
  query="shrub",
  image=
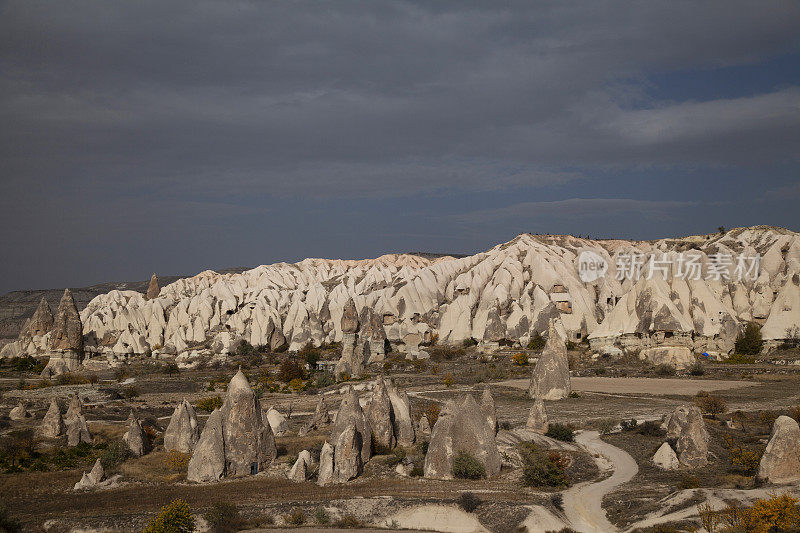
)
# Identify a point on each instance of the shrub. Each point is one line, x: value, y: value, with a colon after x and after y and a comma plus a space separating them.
x: 520, y: 359
x: 466, y: 466
x: 210, y: 403
x: 469, y: 342
x: 571, y: 345
x: 115, y: 454
x: 574, y: 394
x: 744, y: 460
x: 749, y: 340
x: 224, y: 518
x: 651, y: 428
x: 19, y: 446
x: 560, y: 432
x: 445, y: 353
x: 629, y: 425
x: 606, y: 425
x: 697, y: 369
x: 177, y: 461
x: 739, y: 359
x: 417, y: 471
x: 537, y: 342
x: 469, y: 501
x: 538, y: 469
x: 665, y: 370
x: 447, y: 380
x: 689, y: 481
x: 778, y: 512
x: 321, y: 516
x: 710, y: 404
x: 349, y: 521
x: 289, y: 370
x: 296, y: 518
x: 131, y: 391
x: 175, y: 517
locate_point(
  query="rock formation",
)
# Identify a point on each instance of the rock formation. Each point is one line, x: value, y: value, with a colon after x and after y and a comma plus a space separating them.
x: 348, y: 448
x: 512, y: 290
x: 781, y: 460
x: 93, y: 478
x: 183, y: 431
x: 302, y: 467
x: 424, y: 427
x: 19, y: 412
x: 401, y: 409
x: 41, y: 322
x: 665, y: 458
x: 78, y: 431
x: 537, y: 417
x: 277, y: 422
x: 489, y: 410
x: 208, y: 460
x: 320, y: 419
x: 381, y: 417
x: 235, y: 441
x: 66, y: 338
x: 352, y: 360
x: 74, y: 408
x: 152, y: 288
x: 461, y: 426
x: 325, y: 474
x: 52, y: 424
x: 351, y: 414
x: 136, y: 438
x: 550, y: 377
x: 686, y: 427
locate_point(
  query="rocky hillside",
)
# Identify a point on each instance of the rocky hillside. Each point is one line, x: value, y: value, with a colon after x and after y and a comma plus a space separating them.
x: 506, y: 293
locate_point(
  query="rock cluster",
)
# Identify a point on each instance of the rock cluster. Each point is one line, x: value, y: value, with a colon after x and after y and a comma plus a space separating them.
x: 235, y: 440
x: 363, y: 340
x: 403, y: 424
x: 183, y: 431
x: 41, y: 323
x: 461, y: 426
x: 349, y: 415
x: 75, y: 426
x: 687, y: 429
x: 781, y: 460
x: 550, y: 377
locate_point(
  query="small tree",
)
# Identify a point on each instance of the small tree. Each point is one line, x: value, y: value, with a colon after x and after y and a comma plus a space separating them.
x: 175, y: 517
x: 710, y: 404
x: 466, y: 466
x: 749, y: 340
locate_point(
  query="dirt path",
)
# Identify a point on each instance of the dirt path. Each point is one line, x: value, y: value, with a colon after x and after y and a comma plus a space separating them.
x: 656, y: 386
x: 583, y: 502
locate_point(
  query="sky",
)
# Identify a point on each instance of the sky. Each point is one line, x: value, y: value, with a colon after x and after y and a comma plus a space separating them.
x: 172, y: 137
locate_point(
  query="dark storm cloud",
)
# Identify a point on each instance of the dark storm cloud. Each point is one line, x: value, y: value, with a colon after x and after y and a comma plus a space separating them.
x: 122, y: 117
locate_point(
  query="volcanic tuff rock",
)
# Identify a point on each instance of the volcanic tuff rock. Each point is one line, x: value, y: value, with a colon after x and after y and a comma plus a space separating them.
x: 152, y: 288
x: 40, y: 323
x: 424, y: 427
x: 381, y: 417
x: 489, y: 410
x: 183, y: 431
x: 93, y: 478
x: 537, y: 417
x: 67, y: 335
x: 686, y: 427
x: 401, y: 409
x: 665, y: 458
x: 351, y: 414
x: 321, y: 417
x: 550, y: 377
x: 277, y: 422
x: 74, y: 408
x: 52, y: 424
x: 136, y: 438
x: 78, y: 431
x: 781, y: 460
x: 235, y: 440
x: 19, y: 412
x: 325, y: 474
x: 461, y: 426
x: 348, y: 453
x: 519, y: 286
x: 302, y: 467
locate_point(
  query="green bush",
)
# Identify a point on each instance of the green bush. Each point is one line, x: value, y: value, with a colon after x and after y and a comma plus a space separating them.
x: 210, y: 403
x: 665, y: 370
x: 697, y: 369
x: 224, y: 518
x: 321, y: 516
x: 560, y: 432
x: 749, y: 340
x: 537, y: 342
x: 466, y: 466
x: 115, y: 454
x: 651, y: 428
x: 469, y: 342
x: 538, y: 469
x: 469, y: 501
x: 739, y: 359
x: 175, y: 517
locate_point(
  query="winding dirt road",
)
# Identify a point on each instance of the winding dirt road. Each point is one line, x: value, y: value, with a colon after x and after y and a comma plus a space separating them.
x: 583, y: 502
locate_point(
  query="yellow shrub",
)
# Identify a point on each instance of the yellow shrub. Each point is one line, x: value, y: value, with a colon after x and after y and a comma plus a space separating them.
x: 448, y: 380
x: 177, y: 461
x: 778, y: 512
x: 520, y: 359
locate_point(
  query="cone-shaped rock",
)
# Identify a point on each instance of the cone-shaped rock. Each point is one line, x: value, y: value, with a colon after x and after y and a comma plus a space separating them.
x: 424, y: 427
x: 461, y: 426
x: 489, y: 409
x: 381, y: 417
x: 687, y: 428
x: 665, y: 458
x: 52, y: 423
x: 97, y: 474
x: 249, y: 443
x: 404, y: 432
x: 550, y: 376
x: 19, y: 412
x: 67, y: 329
x: 325, y: 474
x: 74, y: 408
x: 208, y: 460
x: 349, y: 317
x: 321, y: 417
x: 41, y: 322
x: 301, y: 467
x: 85, y: 483
x: 136, y: 439
x: 277, y: 422
x: 781, y: 460
x: 183, y: 431
x: 537, y: 417
x: 78, y: 431
x: 350, y: 412
x: 347, y: 456
x: 152, y: 288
